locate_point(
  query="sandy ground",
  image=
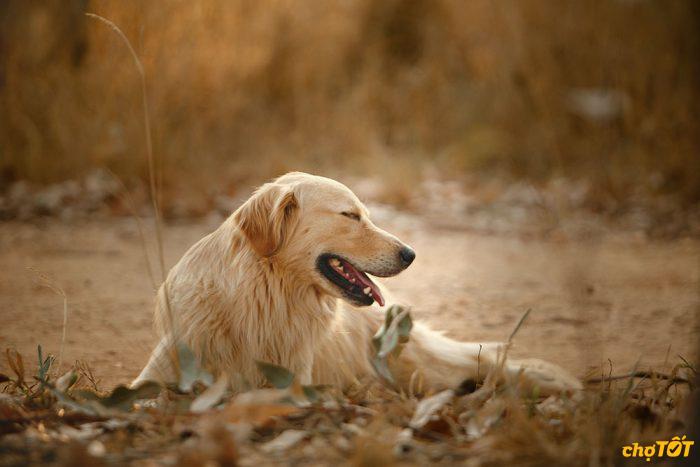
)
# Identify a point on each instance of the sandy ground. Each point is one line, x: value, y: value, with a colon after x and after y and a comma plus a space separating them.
x: 616, y: 296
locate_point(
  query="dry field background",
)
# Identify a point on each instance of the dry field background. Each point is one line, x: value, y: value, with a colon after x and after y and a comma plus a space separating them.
x: 537, y: 154
x: 599, y: 90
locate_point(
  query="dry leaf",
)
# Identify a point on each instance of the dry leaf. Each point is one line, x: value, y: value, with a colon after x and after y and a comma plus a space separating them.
x: 211, y: 396
x: 258, y: 407
x: 429, y: 406
x: 284, y: 441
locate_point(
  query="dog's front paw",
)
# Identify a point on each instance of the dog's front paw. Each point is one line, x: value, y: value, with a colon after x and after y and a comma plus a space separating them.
x: 544, y: 377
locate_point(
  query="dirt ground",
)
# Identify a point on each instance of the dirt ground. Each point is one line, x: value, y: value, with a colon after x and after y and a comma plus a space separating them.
x: 615, y: 296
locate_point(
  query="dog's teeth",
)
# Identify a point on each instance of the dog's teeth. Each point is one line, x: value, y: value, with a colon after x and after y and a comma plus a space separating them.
x: 352, y: 280
x: 335, y: 262
x: 366, y: 290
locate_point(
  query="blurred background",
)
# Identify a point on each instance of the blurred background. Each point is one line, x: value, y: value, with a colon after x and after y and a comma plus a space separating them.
x: 601, y: 94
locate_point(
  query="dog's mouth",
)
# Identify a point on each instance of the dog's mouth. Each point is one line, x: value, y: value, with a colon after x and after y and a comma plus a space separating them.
x: 355, y: 284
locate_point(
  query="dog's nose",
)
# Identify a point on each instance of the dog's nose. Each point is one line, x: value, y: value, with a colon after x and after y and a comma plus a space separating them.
x: 407, y: 256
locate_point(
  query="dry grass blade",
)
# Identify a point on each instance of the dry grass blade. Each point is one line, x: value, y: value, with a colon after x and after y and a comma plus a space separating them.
x: 46, y: 281
x: 504, y: 356
x: 152, y: 182
x: 688, y: 365
x: 519, y: 325
x: 496, y: 373
x: 139, y: 225
x: 149, y: 142
x: 86, y: 372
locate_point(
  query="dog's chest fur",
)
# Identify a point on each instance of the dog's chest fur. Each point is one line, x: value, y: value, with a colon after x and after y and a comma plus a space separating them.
x: 230, y: 324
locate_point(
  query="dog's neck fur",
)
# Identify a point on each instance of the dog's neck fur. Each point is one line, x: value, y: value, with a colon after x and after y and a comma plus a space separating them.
x: 298, y: 297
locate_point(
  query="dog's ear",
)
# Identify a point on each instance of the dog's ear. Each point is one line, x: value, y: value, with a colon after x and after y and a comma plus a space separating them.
x: 267, y: 217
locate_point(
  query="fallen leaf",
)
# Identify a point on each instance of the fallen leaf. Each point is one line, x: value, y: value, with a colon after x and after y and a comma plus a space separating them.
x: 395, y: 330
x: 122, y: 397
x: 211, y: 396
x: 284, y: 441
x: 191, y: 370
x: 427, y: 407
x: 484, y: 419
x: 84, y: 433
x: 258, y: 407
x: 278, y: 376
x: 14, y: 360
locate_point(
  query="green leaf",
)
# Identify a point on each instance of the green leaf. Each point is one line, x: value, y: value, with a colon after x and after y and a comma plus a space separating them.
x: 66, y: 381
x: 381, y: 367
x: 388, y: 342
x: 191, y: 370
x: 44, y: 365
x: 395, y: 331
x: 122, y: 397
x: 314, y: 393
x: 404, y: 328
x: 310, y: 393
x: 278, y: 376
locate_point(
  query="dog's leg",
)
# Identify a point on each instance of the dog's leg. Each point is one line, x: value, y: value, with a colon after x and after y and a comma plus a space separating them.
x: 440, y: 362
x: 159, y: 367
x: 305, y: 375
x: 445, y: 363
x: 546, y: 377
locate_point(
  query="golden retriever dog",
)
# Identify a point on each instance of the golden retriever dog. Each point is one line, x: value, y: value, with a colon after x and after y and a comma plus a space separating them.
x: 286, y: 280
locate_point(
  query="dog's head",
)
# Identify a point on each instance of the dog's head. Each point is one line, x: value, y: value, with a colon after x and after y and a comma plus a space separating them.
x: 320, y: 232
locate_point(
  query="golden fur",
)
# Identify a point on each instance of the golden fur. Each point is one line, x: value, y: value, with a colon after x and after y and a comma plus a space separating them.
x: 251, y: 290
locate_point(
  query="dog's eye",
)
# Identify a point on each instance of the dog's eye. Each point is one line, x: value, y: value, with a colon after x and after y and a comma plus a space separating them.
x: 351, y: 215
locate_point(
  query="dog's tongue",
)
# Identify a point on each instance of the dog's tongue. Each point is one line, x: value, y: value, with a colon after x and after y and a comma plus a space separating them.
x: 362, y: 278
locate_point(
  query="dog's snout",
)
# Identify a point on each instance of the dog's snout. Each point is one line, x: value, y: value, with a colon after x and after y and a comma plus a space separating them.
x: 407, y: 256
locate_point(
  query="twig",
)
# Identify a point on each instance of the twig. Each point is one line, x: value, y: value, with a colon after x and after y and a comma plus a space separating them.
x: 512, y: 335
x: 86, y: 371
x: 639, y: 374
x: 520, y: 323
x: 688, y: 365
